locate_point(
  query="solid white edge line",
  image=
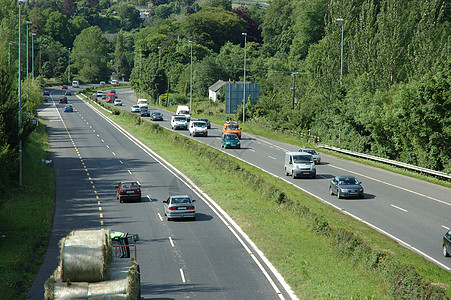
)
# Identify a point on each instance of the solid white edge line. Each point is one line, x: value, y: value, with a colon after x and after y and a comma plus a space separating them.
x: 201, y: 194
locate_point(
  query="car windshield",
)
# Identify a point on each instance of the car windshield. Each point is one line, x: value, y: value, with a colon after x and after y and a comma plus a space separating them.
x: 181, y: 200
x: 156, y: 113
x: 302, y: 159
x: 311, y: 151
x: 348, y: 181
x: 180, y: 119
x: 200, y: 124
x: 231, y: 136
x: 233, y: 127
x: 184, y: 112
x: 129, y: 185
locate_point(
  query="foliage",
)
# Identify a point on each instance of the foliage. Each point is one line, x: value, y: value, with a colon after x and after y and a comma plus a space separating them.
x: 89, y: 55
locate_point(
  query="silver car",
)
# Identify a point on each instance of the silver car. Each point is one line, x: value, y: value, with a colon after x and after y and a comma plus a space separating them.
x: 135, y: 109
x: 314, y: 154
x: 179, y: 207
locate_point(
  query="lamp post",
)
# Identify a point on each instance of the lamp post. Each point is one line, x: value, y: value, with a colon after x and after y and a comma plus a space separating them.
x: 68, y: 73
x: 191, y: 79
x: 20, y: 104
x: 28, y: 23
x: 140, y: 73
x: 32, y: 54
x: 9, y: 53
x: 244, y: 85
x: 40, y: 56
x: 159, y: 57
x: 341, y: 60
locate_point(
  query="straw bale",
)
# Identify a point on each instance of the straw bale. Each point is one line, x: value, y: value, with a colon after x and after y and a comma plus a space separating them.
x: 63, y: 290
x: 108, y: 287
x: 83, y: 259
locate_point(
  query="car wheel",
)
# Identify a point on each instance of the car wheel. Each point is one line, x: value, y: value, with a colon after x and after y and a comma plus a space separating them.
x: 331, y: 192
x: 313, y: 176
x: 294, y: 176
x: 206, y: 134
x: 339, y: 195
x: 286, y: 173
x: 445, y: 253
x: 120, y: 200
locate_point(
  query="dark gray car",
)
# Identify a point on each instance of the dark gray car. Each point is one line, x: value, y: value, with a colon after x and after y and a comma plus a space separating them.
x: 447, y: 244
x: 346, y: 186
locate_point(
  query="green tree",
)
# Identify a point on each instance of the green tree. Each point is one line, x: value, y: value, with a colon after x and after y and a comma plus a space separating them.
x: 57, y: 27
x: 89, y: 55
x: 213, y: 27
x: 128, y: 15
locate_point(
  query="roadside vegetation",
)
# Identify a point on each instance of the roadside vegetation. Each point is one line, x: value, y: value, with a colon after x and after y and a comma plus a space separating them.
x: 26, y: 215
x: 321, y: 252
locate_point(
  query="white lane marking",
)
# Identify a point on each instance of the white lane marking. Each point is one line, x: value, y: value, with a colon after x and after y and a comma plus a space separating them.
x: 252, y: 150
x: 98, y: 135
x: 121, y: 161
x: 130, y: 172
x: 90, y: 126
x: 272, y: 157
x: 161, y: 218
x: 114, y: 153
x: 108, y: 146
x: 404, y: 210
x: 447, y: 228
x: 182, y: 275
x: 171, y: 241
x: 102, y: 140
x: 93, y: 130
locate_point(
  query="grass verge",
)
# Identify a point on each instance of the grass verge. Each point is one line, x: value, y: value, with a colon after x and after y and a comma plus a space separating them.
x: 319, y: 251
x: 26, y: 219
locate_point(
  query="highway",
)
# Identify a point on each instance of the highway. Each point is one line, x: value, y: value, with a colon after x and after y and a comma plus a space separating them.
x: 209, y: 258
x: 413, y: 212
x: 204, y: 259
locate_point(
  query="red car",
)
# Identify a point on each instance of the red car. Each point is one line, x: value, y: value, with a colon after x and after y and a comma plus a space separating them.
x: 128, y: 191
x: 64, y: 87
x: 63, y: 100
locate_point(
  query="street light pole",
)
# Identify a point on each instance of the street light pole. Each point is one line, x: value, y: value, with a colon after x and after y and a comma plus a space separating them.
x: 244, y: 85
x: 191, y: 79
x: 159, y: 57
x: 68, y: 73
x: 40, y: 56
x: 140, y: 73
x: 9, y: 54
x: 341, y: 60
x: 32, y: 54
x: 20, y: 104
x: 28, y: 23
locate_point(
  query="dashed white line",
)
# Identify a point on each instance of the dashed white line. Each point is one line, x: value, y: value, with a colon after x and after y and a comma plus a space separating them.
x: 114, y: 153
x: 447, y: 228
x: 404, y: 210
x: 252, y: 150
x: 171, y: 241
x: 130, y: 172
x: 108, y: 146
x: 182, y: 275
x: 272, y: 157
x: 102, y: 140
x: 121, y: 161
x: 161, y: 218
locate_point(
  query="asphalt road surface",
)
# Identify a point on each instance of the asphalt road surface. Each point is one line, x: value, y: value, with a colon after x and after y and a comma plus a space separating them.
x: 209, y: 258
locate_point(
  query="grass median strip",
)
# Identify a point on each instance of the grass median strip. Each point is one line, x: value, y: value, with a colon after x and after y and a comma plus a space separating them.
x: 319, y: 251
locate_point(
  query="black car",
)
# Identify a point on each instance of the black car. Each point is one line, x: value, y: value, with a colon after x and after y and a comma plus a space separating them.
x: 46, y: 93
x: 206, y: 121
x: 63, y: 100
x: 68, y: 93
x: 156, y: 116
x: 346, y: 186
x: 447, y: 244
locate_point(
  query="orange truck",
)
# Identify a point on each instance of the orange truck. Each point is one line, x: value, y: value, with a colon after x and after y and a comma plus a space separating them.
x: 110, y: 98
x: 231, y: 127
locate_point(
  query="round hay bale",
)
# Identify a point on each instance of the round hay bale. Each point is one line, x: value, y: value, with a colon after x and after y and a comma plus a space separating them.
x: 104, y: 288
x: 83, y: 259
x: 74, y: 290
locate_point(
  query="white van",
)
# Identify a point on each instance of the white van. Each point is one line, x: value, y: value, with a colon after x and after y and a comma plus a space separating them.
x: 75, y: 84
x: 179, y: 122
x: 198, y: 128
x: 183, y: 110
x: 299, y: 164
x: 142, y: 103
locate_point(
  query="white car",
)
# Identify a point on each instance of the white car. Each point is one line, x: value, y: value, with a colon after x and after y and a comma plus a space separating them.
x: 99, y: 93
x: 117, y: 102
x: 198, y: 128
x: 142, y: 103
x: 179, y: 122
x: 314, y: 154
x: 135, y: 109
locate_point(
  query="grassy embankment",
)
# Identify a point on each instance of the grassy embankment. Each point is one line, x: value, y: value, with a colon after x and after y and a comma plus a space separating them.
x: 26, y: 219
x: 319, y: 251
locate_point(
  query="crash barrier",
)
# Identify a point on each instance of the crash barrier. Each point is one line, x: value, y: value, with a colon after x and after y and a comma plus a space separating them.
x: 420, y: 170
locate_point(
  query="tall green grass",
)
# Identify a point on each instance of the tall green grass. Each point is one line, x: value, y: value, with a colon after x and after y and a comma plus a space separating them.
x: 26, y: 218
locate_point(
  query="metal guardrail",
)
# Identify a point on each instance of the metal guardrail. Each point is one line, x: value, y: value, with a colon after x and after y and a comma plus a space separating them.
x: 391, y: 162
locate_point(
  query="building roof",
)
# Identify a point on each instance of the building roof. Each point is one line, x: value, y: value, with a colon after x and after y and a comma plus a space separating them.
x: 217, y: 85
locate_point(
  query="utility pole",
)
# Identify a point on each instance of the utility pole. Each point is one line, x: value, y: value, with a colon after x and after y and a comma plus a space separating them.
x: 169, y: 86
x: 294, y: 87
